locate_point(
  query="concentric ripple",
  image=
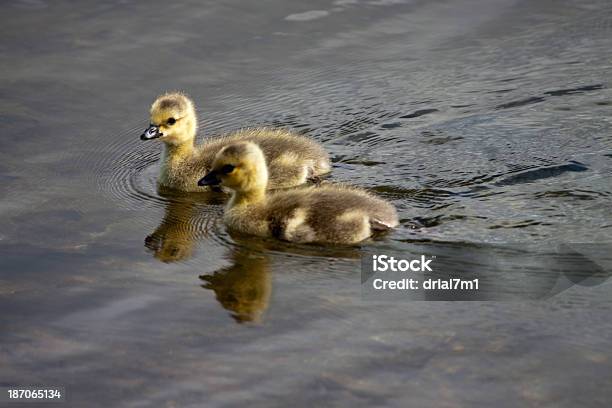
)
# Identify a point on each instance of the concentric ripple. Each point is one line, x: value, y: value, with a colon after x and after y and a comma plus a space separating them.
x: 126, y: 170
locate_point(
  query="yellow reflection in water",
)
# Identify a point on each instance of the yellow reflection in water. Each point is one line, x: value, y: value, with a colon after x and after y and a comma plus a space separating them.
x: 245, y: 286
x: 185, y: 221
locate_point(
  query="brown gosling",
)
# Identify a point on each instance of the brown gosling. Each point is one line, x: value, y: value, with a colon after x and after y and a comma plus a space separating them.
x: 292, y: 159
x: 328, y: 214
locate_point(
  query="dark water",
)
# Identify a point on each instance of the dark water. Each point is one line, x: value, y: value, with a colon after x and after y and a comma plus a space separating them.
x: 485, y: 122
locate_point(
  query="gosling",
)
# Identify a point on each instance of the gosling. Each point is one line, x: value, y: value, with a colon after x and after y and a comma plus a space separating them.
x: 292, y: 159
x: 328, y: 214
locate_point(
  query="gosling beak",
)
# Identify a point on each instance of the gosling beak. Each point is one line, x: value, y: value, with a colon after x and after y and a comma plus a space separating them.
x: 210, y: 179
x: 152, y: 132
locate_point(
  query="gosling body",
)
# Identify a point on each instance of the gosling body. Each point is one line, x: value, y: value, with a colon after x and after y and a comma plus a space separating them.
x: 328, y: 214
x: 291, y: 159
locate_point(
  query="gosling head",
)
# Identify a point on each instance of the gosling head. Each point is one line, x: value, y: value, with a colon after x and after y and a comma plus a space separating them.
x: 173, y: 120
x: 240, y: 167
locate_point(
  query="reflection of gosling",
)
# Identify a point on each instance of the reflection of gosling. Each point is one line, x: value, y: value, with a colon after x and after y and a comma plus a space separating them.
x: 326, y: 214
x: 244, y: 287
x: 292, y: 159
x: 177, y: 234
x: 175, y: 237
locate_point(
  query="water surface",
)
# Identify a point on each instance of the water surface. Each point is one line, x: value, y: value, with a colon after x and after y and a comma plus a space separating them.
x: 485, y: 122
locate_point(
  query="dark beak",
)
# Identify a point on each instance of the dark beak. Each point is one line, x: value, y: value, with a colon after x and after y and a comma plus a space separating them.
x: 152, y: 132
x: 210, y: 179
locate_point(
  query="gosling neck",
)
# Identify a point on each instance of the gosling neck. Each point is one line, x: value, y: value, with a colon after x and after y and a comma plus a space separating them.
x: 242, y: 198
x: 173, y: 152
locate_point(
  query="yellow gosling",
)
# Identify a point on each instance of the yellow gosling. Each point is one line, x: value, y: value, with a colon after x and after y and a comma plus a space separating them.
x: 329, y: 214
x: 292, y: 159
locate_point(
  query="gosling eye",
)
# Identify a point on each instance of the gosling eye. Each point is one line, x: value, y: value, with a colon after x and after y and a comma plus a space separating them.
x: 227, y: 169
x: 171, y: 121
